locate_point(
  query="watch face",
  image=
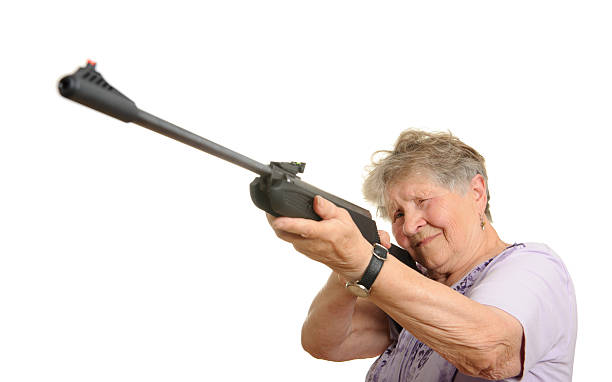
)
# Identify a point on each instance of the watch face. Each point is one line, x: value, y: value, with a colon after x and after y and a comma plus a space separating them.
x: 358, y: 290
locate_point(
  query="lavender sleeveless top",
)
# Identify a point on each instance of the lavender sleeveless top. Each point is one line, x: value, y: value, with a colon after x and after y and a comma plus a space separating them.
x: 530, y: 282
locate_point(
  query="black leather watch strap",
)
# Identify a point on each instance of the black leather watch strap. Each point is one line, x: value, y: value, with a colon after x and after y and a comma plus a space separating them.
x: 371, y: 272
x: 379, y: 255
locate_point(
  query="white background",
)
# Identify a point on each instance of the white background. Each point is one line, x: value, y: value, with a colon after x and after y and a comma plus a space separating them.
x: 127, y: 256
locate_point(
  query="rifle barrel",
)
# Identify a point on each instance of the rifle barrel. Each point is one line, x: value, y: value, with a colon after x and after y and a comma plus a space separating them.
x: 170, y: 130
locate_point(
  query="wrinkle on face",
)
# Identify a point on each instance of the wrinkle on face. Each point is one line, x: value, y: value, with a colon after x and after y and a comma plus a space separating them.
x: 442, y: 211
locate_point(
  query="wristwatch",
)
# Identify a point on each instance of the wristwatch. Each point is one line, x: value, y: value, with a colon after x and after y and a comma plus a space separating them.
x: 361, y: 287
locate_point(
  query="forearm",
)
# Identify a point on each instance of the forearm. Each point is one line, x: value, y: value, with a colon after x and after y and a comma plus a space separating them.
x: 329, y: 320
x: 340, y: 327
x: 479, y: 340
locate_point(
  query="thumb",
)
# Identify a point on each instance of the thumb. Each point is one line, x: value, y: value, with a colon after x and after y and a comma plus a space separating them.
x: 324, y: 208
x: 385, y: 239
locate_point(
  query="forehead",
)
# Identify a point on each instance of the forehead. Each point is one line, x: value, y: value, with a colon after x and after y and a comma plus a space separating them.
x: 415, y: 186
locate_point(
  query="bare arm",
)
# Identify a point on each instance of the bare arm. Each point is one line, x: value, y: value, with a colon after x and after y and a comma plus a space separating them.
x: 340, y: 327
x: 480, y: 340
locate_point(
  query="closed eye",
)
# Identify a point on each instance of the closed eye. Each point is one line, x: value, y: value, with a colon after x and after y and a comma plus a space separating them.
x: 397, y: 215
x: 421, y: 202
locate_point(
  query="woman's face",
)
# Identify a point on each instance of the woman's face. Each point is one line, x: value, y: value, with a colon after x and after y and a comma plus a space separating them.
x: 437, y: 226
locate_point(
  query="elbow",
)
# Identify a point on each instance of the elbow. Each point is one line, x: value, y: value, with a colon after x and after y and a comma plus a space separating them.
x: 320, y: 350
x: 493, y: 365
x: 500, y: 372
x: 312, y: 348
x: 310, y: 344
x: 497, y: 357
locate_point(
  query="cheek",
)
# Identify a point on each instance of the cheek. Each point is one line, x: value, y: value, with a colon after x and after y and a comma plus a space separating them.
x: 438, y: 213
x: 401, y: 239
x: 450, y: 221
x: 398, y: 233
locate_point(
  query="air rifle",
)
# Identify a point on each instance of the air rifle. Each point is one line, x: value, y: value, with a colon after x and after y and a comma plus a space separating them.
x: 278, y: 189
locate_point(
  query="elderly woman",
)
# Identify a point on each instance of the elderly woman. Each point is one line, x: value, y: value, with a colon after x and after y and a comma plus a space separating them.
x: 479, y: 309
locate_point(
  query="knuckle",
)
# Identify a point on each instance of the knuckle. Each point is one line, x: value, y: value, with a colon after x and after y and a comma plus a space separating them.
x: 307, y: 233
x: 345, y: 214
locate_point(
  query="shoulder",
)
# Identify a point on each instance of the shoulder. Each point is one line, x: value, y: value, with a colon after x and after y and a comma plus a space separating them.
x: 528, y: 261
x: 530, y: 282
x: 526, y: 269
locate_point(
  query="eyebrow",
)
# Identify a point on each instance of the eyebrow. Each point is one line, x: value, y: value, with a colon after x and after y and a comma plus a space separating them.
x: 391, y: 209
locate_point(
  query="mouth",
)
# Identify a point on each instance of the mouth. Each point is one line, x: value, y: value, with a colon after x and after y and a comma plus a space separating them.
x: 427, y: 240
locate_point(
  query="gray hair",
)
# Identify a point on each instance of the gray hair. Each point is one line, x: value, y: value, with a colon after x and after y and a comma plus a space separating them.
x: 450, y: 162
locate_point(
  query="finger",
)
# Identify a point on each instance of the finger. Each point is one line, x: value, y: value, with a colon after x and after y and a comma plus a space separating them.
x: 326, y: 209
x: 279, y: 230
x: 288, y: 236
x: 305, y: 228
x: 306, y: 246
x: 312, y: 248
x: 283, y: 235
x: 385, y: 239
x: 270, y: 218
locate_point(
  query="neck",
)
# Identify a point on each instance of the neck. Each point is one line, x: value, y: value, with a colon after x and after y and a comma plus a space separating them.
x: 487, y: 246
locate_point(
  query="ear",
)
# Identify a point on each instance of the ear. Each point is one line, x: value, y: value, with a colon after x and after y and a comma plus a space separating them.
x: 478, y: 193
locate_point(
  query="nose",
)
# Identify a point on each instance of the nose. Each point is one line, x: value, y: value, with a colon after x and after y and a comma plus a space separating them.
x: 413, y: 222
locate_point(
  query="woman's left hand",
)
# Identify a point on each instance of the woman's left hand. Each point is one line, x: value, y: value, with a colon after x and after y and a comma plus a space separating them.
x: 334, y: 241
